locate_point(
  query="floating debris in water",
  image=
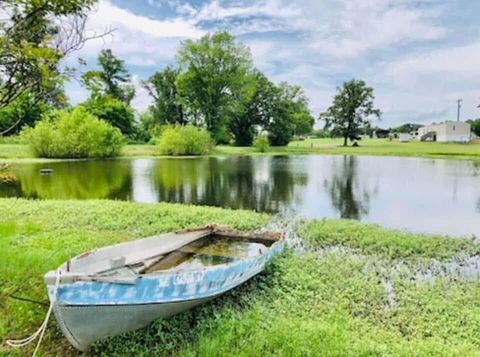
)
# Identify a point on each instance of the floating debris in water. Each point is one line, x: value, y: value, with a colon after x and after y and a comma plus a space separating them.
x: 46, y: 171
x: 6, y: 176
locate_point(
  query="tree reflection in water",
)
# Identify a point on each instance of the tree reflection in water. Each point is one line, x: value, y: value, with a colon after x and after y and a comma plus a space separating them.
x: 265, y: 184
x: 349, y: 197
x: 74, y: 180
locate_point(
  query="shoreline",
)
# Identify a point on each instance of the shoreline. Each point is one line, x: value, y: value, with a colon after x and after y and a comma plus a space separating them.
x: 376, y: 148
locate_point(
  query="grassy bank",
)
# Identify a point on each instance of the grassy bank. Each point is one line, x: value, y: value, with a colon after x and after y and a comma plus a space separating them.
x: 378, y: 147
x: 327, y: 301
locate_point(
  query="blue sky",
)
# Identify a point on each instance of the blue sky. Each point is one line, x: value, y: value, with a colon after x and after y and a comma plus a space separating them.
x: 419, y: 55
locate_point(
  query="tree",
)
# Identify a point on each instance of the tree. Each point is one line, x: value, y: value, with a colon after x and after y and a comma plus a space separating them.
x: 214, y: 74
x: 352, y: 108
x: 162, y: 87
x: 289, y: 112
x: 253, y: 112
x: 406, y: 128
x: 280, y: 110
x: 297, y: 102
x: 475, y: 125
x: 34, y: 37
x: 113, y: 111
x: 111, y: 79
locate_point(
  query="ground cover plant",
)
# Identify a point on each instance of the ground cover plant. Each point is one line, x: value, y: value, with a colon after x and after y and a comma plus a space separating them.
x: 341, y: 294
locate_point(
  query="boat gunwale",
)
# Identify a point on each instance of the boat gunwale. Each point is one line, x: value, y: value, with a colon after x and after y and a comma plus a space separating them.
x: 212, y: 229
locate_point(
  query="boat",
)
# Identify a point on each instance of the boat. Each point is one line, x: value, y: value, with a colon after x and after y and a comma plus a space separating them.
x: 124, y: 287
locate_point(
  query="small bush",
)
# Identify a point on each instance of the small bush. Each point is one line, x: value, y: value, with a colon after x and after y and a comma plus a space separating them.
x: 261, y: 143
x: 73, y: 134
x: 180, y: 140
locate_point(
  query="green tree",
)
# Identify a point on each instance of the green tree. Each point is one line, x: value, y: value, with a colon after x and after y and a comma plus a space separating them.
x: 289, y: 111
x: 214, y: 74
x: 162, y: 87
x: 253, y: 112
x: 303, y: 122
x: 406, y: 128
x: 34, y: 37
x: 475, y: 124
x: 111, y: 79
x: 297, y: 103
x: 351, y: 110
x: 277, y: 109
x: 113, y: 111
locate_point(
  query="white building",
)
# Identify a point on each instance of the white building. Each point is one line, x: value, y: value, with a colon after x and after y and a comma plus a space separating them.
x: 405, y: 137
x: 450, y: 131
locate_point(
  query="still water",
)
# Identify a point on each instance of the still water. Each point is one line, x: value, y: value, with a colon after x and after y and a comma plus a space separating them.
x: 420, y: 195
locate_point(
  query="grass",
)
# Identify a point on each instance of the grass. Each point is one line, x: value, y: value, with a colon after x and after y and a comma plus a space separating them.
x: 380, y: 147
x: 374, y: 240
x: 375, y: 147
x: 320, y: 302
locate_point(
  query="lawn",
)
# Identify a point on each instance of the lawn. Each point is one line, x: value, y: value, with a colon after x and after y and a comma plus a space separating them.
x: 377, y: 147
x: 351, y: 290
x: 381, y: 147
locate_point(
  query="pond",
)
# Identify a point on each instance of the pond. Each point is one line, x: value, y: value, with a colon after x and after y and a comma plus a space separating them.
x: 420, y: 195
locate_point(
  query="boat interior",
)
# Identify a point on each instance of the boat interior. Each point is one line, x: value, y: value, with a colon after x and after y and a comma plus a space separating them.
x: 180, y: 251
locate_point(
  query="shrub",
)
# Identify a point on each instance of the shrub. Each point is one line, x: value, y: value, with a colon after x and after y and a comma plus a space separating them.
x: 180, y: 140
x: 261, y: 143
x: 73, y: 134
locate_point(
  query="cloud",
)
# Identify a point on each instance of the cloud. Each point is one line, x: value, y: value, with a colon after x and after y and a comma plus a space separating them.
x: 408, y: 50
x: 107, y: 13
x: 142, y: 99
x: 271, y: 8
x: 362, y: 26
x: 450, y: 67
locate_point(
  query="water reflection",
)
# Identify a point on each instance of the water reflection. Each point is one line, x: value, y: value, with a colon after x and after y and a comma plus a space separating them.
x: 434, y: 196
x: 349, y: 195
x: 72, y: 179
x: 264, y: 184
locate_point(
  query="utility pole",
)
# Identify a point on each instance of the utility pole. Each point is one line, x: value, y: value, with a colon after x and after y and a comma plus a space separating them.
x: 459, y: 105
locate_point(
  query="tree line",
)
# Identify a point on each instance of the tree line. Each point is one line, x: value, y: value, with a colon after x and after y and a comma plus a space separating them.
x: 213, y: 84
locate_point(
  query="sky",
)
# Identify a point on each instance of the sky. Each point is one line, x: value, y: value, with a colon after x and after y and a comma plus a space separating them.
x: 420, y: 56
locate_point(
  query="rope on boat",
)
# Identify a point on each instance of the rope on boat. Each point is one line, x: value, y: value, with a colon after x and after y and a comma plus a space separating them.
x: 43, y: 327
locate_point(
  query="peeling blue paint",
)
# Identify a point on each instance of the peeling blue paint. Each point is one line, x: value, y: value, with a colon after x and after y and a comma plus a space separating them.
x: 166, y: 287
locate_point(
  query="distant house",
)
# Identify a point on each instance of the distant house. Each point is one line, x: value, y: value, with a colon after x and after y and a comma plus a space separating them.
x: 449, y: 131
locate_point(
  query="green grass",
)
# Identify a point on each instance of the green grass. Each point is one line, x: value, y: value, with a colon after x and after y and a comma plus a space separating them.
x: 392, y: 148
x: 320, y: 302
x: 389, y: 244
x: 14, y: 151
x: 380, y: 147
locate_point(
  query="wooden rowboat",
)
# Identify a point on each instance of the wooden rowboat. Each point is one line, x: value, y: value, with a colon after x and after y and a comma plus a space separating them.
x: 126, y: 286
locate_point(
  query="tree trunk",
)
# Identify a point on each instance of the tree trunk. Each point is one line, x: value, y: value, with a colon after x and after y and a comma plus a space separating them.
x: 345, y: 140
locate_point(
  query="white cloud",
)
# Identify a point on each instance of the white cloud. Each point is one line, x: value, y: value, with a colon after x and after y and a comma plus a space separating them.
x: 376, y: 24
x: 142, y: 99
x: 392, y: 44
x: 107, y: 13
x: 270, y: 8
x: 452, y: 66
